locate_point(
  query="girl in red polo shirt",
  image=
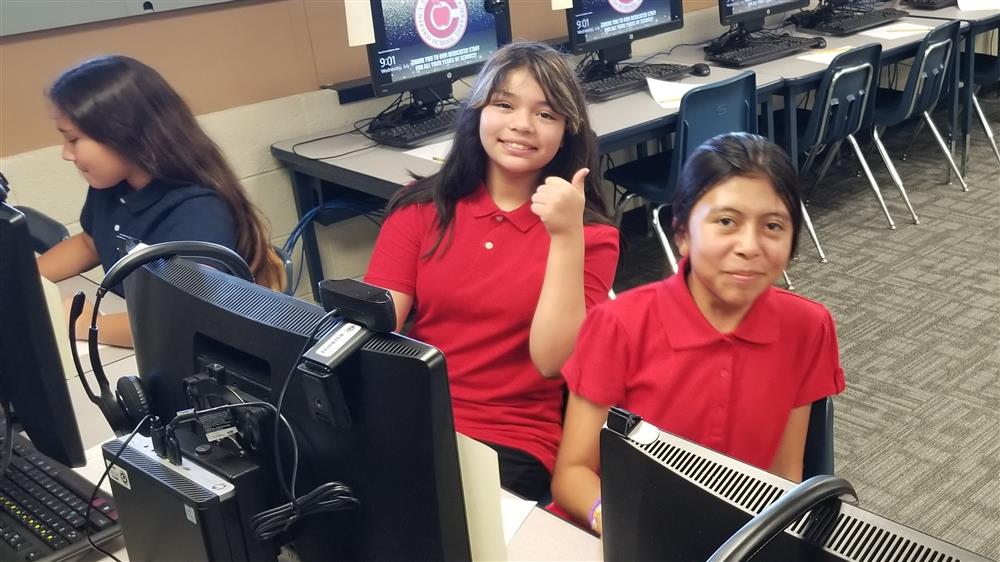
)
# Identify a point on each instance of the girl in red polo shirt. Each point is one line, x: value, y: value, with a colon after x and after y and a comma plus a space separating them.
x: 715, y: 354
x: 500, y: 254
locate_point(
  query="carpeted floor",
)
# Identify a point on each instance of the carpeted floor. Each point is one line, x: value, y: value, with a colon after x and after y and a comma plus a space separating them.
x: 918, y: 318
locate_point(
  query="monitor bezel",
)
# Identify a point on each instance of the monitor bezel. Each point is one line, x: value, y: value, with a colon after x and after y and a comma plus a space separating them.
x: 580, y: 48
x: 761, y: 13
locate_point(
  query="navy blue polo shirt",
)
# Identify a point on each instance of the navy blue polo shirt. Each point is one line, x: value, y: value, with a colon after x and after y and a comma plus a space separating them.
x: 159, y: 212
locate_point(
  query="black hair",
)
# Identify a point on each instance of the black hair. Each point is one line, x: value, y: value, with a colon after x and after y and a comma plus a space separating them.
x: 736, y: 154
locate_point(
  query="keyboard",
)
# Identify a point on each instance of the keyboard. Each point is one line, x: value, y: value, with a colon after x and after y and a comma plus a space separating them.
x: 930, y: 4
x: 412, y: 134
x: 759, y: 51
x: 846, y: 23
x: 43, y: 509
x: 632, y: 79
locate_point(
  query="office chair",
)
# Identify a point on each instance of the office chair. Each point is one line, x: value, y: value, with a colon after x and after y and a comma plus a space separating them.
x: 986, y: 72
x: 45, y: 231
x: 921, y: 93
x: 286, y: 261
x: 706, y: 111
x: 818, y: 456
x: 843, y: 106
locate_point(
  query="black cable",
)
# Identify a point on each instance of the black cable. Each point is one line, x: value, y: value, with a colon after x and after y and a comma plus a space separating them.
x: 332, y: 496
x: 93, y: 495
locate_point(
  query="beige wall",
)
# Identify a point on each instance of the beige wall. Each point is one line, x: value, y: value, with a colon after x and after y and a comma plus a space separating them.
x: 217, y: 57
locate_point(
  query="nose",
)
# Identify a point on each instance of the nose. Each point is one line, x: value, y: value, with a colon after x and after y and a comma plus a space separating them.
x: 521, y: 121
x: 67, y: 153
x: 748, y: 242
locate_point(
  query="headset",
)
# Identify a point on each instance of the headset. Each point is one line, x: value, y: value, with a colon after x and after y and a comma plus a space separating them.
x: 129, y: 404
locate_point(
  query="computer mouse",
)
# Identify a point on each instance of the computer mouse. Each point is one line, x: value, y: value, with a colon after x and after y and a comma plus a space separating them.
x: 700, y: 69
x: 819, y: 43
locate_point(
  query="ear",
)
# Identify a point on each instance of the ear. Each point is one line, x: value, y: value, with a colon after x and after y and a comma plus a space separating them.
x: 682, y: 240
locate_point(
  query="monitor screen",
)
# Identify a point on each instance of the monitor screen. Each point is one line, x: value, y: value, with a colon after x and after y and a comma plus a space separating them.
x: 595, y: 24
x: 398, y: 453
x: 736, y: 11
x: 427, y: 41
x: 32, y: 377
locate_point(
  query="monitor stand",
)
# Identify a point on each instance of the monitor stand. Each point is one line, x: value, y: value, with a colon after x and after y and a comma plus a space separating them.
x: 424, y: 104
x: 606, y: 64
x: 738, y: 36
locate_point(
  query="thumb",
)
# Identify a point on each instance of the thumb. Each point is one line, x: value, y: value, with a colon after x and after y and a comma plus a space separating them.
x: 579, y: 178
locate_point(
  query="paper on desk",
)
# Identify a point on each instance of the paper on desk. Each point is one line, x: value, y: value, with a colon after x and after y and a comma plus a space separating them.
x: 360, y: 29
x: 977, y: 4
x: 668, y: 94
x: 824, y: 56
x: 561, y: 4
x: 897, y: 30
x: 481, y: 486
x: 515, y: 511
x: 434, y: 152
x: 84, y: 351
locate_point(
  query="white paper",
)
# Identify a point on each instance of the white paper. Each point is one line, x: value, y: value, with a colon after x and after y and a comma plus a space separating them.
x: 897, y: 31
x: 978, y: 5
x: 824, y: 56
x: 84, y: 351
x: 481, y: 487
x: 360, y: 29
x: 562, y: 4
x: 434, y: 152
x: 515, y: 511
x: 668, y: 94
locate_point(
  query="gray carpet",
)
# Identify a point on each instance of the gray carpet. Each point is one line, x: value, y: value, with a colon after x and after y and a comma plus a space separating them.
x: 918, y: 318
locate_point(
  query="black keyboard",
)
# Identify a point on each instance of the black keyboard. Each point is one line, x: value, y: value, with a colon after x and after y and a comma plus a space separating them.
x: 763, y: 50
x: 846, y: 23
x: 43, y: 509
x: 632, y: 79
x: 930, y: 4
x: 412, y: 134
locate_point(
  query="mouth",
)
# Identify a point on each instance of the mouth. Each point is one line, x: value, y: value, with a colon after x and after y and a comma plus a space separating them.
x: 745, y: 276
x: 518, y: 147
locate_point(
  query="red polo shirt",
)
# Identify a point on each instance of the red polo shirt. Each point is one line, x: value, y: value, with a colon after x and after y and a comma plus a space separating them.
x: 652, y: 352
x: 475, y: 299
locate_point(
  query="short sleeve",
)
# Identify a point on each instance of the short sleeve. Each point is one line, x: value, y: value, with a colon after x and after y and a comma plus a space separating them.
x: 824, y: 376
x: 601, y: 360
x: 600, y: 262
x: 87, y: 214
x: 205, y: 219
x: 396, y: 255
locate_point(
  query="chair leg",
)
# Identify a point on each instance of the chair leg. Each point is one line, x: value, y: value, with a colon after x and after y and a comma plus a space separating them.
x: 809, y: 162
x: 620, y: 207
x: 986, y: 127
x: 871, y: 179
x: 812, y: 233
x: 830, y: 157
x: 944, y: 149
x: 655, y: 213
x: 916, y: 133
x: 892, y: 172
x: 788, y: 281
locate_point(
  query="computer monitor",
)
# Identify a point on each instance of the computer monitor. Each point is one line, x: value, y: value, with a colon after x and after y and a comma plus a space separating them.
x: 399, y: 452
x: 666, y: 498
x: 32, y: 379
x: 751, y: 13
x: 423, y: 46
x: 610, y: 26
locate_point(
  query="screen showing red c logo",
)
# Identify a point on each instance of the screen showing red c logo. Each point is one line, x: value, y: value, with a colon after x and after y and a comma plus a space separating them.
x: 625, y: 6
x: 441, y: 23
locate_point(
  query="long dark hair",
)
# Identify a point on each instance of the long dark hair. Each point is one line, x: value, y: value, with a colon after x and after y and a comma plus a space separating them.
x: 465, y: 166
x: 737, y: 154
x: 128, y: 107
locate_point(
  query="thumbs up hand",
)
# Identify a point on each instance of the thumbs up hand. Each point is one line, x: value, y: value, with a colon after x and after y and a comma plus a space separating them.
x: 559, y: 203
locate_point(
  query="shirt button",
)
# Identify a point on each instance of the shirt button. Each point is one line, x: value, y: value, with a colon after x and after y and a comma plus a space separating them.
x: 117, y: 228
x: 725, y: 373
x: 488, y: 245
x: 122, y: 199
x: 499, y: 218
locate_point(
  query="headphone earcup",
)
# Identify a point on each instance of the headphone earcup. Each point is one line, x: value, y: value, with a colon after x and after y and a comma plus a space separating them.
x: 132, y: 398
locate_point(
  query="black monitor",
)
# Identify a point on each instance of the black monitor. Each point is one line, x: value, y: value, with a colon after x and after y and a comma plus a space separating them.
x: 398, y: 452
x: 610, y: 26
x: 666, y: 498
x: 32, y: 379
x: 422, y: 47
x: 751, y: 13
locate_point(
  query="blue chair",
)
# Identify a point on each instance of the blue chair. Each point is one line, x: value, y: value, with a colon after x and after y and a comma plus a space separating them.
x: 986, y: 72
x: 818, y: 456
x: 923, y: 90
x: 843, y: 106
x: 286, y: 262
x: 44, y: 230
x: 706, y: 111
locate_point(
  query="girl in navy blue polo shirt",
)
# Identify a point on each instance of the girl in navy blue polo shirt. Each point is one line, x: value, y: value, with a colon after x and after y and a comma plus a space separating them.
x: 153, y: 173
x: 715, y: 354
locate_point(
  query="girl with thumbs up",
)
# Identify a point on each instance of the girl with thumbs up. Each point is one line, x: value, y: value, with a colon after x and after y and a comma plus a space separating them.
x: 499, y: 255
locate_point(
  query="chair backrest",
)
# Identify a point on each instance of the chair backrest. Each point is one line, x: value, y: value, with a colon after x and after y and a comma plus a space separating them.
x: 45, y: 231
x: 844, y: 98
x: 818, y: 457
x: 930, y: 70
x: 725, y: 106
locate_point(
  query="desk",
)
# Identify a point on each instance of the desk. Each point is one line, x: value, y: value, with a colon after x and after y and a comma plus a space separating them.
x: 112, y: 304
x: 979, y: 21
x: 378, y: 171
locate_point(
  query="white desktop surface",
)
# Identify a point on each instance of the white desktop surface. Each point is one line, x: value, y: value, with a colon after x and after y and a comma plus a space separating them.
x: 111, y: 304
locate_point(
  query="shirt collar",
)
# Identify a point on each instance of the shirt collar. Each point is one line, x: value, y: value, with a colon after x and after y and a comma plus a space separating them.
x: 482, y: 206
x: 138, y: 200
x: 690, y: 328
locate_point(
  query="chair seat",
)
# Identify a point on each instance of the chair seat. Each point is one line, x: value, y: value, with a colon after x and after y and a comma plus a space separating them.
x: 646, y: 177
x: 887, y: 110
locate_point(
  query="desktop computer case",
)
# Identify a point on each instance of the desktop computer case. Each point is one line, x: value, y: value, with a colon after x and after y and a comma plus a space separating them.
x: 170, y: 513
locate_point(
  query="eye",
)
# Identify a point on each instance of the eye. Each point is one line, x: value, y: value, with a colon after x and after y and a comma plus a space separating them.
x: 726, y: 222
x: 547, y: 115
x: 503, y: 105
x: 775, y: 226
